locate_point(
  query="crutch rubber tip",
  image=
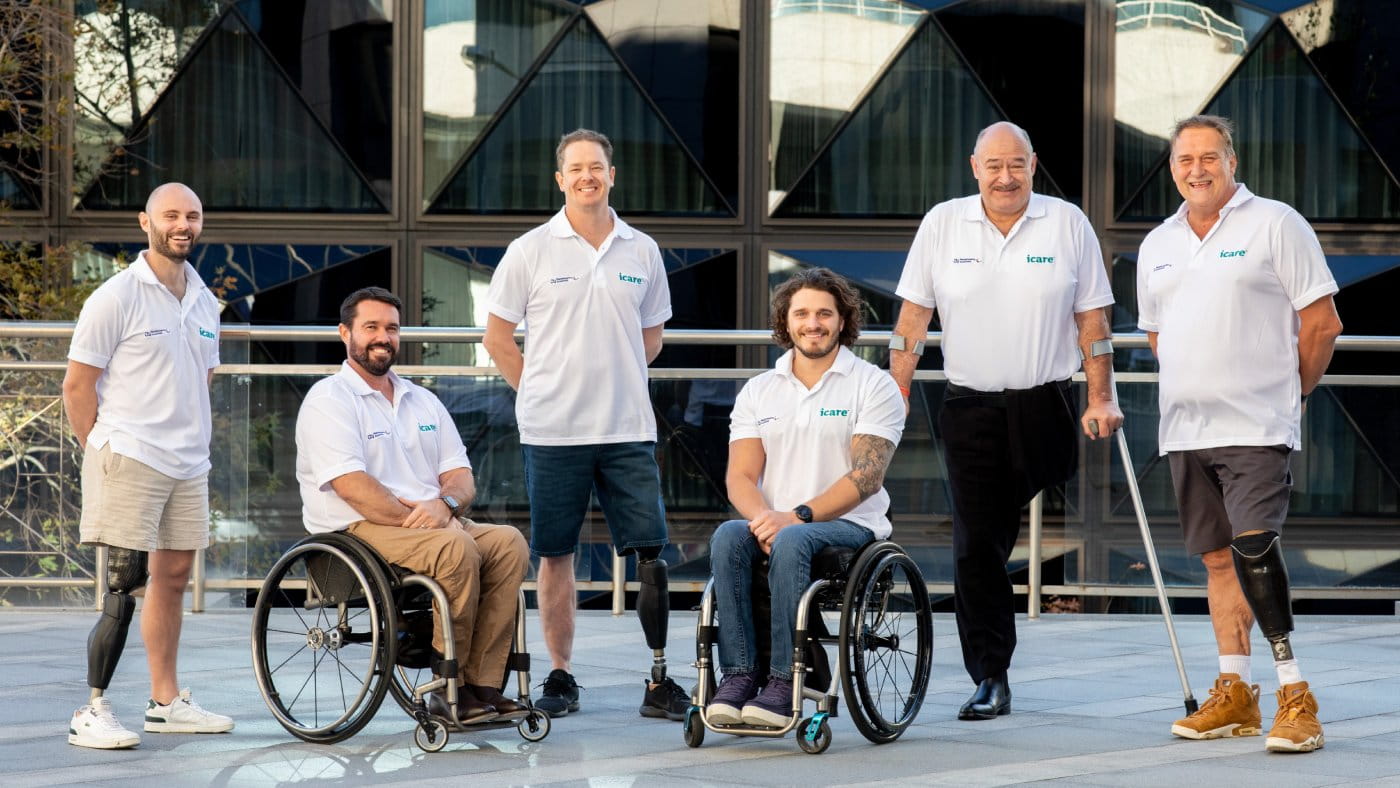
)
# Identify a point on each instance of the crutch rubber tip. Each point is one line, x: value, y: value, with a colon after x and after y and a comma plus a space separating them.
x: 1191, y: 706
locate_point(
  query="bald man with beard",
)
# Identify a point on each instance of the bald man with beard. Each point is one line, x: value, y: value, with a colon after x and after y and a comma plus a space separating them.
x: 1020, y: 287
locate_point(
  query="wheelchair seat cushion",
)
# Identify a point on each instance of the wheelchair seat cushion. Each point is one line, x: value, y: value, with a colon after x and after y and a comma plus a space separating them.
x: 832, y: 563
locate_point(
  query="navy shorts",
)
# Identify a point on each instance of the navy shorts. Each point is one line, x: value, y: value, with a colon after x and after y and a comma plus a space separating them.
x: 558, y: 480
x: 1225, y: 491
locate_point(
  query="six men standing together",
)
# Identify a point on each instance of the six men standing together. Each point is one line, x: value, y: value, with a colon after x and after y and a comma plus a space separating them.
x: 1233, y: 292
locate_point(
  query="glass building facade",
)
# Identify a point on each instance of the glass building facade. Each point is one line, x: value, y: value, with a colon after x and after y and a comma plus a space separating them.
x: 342, y: 143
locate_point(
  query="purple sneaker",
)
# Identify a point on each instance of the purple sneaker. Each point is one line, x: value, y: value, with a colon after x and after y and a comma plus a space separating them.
x: 772, y: 706
x: 728, y: 704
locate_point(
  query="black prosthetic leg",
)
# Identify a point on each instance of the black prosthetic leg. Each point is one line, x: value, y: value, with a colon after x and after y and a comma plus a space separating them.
x: 126, y: 572
x: 1264, y: 580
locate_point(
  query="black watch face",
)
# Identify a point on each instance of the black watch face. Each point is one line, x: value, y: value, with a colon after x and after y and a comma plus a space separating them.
x: 804, y: 513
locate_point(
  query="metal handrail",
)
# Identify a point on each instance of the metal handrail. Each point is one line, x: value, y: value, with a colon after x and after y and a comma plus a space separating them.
x: 475, y: 334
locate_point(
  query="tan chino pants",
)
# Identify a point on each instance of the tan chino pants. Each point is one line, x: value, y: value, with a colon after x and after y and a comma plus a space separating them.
x: 480, y: 567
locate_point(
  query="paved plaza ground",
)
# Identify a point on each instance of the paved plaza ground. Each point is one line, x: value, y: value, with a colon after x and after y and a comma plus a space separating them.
x: 1094, y: 698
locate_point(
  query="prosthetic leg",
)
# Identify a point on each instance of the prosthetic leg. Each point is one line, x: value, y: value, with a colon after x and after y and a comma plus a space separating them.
x: 654, y: 607
x: 1264, y: 580
x: 126, y: 572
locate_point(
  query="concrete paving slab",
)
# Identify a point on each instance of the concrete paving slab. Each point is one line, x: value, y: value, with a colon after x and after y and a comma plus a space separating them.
x: 1093, y: 699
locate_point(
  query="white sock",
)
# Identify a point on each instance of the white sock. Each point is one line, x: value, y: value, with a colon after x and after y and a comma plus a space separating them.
x: 1288, y: 672
x: 1236, y: 663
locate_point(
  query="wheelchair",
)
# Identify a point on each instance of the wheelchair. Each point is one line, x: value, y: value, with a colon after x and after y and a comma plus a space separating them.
x: 336, y: 628
x: 884, y: 647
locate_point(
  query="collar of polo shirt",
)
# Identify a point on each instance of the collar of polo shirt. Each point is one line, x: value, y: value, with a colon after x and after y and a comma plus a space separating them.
x: 845, y: 361
x: 974, y: 212
x: 559, y: 226
x: 1240, y: 197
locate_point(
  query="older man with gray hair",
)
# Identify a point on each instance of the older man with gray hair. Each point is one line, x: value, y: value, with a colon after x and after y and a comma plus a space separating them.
x: 1021, y: 289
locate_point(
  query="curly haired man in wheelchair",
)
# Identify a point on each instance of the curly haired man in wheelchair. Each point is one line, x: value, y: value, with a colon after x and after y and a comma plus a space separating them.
x: 380, y: 458
x: 810, y: 441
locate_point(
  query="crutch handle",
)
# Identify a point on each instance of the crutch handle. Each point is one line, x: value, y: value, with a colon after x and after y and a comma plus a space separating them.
x: 1094, y: 427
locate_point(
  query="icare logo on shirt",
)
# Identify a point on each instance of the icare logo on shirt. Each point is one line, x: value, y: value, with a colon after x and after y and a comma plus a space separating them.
x: 833, y: 412
x: 1228, y: 253
x: 427, y: 428
x: 1041, y: 259
x: 631, y: 280
x: 206, y: 333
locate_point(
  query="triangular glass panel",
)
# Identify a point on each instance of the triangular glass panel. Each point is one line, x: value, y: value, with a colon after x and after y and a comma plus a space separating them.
x: 340, y: 58
x: 124, y: 57
x: 1169, y: 64
x: 1294, y: 142
x: 823, y: 58
x: 474, y: 56
x: 1352, y: 45
x: 685, y: 56
x: 580, y: 85
x: 233, y: 128
x: 906, y: 146
x: 1003, y: 41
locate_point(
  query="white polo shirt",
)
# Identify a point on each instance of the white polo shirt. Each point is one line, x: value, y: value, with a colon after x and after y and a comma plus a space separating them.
x: 345, y: 426
x: 585, y: 377
x: 806, y: 433
x: 1007, y: 303
x: 1225, y: 310
x: 155, y: 353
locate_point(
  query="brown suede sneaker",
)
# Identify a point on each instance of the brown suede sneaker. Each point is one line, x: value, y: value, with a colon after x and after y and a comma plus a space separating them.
x: 1296, y: 728
x: 1231, y: 710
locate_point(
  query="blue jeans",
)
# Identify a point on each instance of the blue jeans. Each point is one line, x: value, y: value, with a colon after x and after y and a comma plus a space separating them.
x: 559, y: 480
x: 733, y: 551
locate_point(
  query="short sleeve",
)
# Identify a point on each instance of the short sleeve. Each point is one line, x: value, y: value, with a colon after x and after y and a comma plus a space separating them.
x: 1146, y: 304
x: 326, y: 437
x: 212, y: 358
x: 452, y: 453
x: 1299, y: 262
x: 1092, y: 290
x: 916, y: 281
x: 743, y: 420
x: 509, y: 291
x: 882, y: 409
x: 656, y: 304
x: 98, y: 331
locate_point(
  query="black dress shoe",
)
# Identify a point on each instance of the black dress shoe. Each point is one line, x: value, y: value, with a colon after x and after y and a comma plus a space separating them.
x: 992, y: 698
x: 470, y: 711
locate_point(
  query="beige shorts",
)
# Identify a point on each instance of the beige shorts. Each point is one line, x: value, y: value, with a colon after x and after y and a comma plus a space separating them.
x: 127, y: 503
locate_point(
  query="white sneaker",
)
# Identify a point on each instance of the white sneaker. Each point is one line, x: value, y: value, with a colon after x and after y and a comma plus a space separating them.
x: 183, y: 715
x: 96, y: 726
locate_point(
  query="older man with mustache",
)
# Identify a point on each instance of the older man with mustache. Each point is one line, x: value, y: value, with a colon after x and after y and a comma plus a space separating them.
x: 1021, y: 289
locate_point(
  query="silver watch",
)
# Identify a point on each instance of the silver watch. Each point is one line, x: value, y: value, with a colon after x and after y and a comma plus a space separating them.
x: 452, y: 504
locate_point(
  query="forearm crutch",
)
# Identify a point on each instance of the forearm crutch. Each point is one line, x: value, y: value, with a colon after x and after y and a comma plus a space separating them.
x: 1141, y: 511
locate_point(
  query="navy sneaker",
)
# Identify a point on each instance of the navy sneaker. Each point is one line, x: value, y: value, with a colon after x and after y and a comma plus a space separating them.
x: 560, y: 694
x: 666, y: 699
x: 772, y: 706
x: 734, y: 691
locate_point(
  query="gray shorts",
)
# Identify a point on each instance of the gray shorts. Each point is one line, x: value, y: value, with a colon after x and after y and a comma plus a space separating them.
x: 127, y: 503
x: 1223, y: 492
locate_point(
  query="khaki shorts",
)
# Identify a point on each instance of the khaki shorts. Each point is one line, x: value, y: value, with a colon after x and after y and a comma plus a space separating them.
x: 1225, y: 491
x: 127, y: 503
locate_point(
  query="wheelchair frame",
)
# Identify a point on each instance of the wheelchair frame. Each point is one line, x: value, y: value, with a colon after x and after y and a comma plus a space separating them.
x: 870, y: 573
x: 344, y: 574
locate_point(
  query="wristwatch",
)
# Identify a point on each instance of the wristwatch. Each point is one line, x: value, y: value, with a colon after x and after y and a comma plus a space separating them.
x: 803, y: 512
x: 452, y: 504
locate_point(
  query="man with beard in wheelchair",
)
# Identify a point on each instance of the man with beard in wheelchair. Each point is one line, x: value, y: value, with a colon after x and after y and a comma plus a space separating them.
x: 810, y: 441
x: 380, y: 458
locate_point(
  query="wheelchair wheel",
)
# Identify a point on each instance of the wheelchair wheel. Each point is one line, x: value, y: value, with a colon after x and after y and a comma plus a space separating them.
x: 431, y: 737
x: 323, y: 639
x: 886, y: 642
x: 817, y: 745
x: 535, y: 726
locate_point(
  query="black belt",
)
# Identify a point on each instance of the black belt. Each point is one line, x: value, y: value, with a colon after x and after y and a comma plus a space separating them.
x: 998, y: 399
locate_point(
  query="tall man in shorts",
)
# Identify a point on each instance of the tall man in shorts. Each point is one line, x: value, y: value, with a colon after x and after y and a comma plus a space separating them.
x: 592, y: 293
x: 137, y: 396
x: 1019, y: 283
x: 1236, y: 299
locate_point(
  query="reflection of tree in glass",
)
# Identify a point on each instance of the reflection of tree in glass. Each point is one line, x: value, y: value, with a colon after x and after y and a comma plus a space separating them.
x: 125, y: 55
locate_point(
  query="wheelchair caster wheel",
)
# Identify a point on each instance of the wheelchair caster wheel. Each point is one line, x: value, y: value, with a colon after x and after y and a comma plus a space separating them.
x: 535, y: 726
x: 817, y: 744
x: 431, y: 737
x: 694, y: 729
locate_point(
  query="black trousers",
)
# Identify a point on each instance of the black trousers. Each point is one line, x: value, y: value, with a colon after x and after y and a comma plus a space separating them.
x: 1002, y: 448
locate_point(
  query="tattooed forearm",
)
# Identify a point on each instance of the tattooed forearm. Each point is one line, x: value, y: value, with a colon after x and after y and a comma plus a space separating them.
x: 870, y: 456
